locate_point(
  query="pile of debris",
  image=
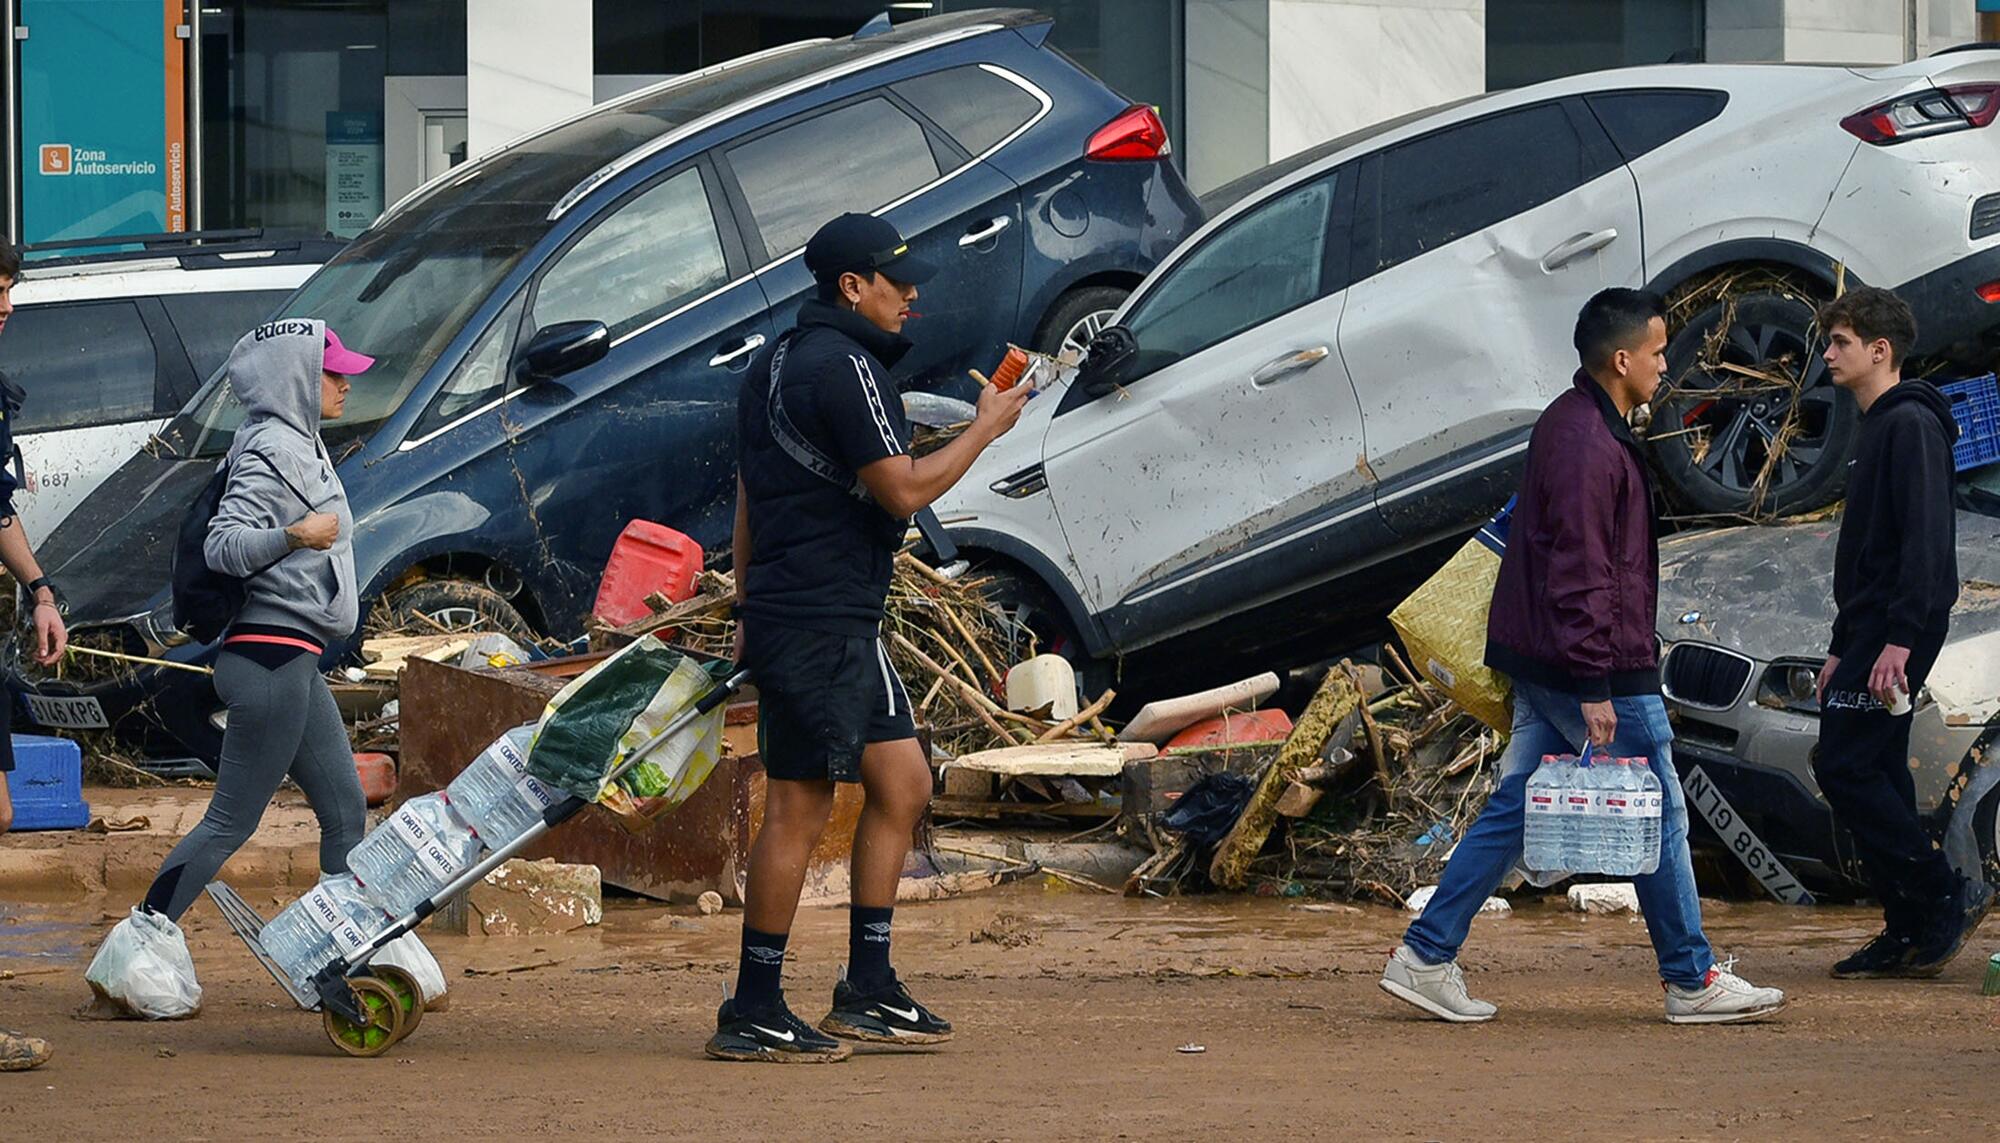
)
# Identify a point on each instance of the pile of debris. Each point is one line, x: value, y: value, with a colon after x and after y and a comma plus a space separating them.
x: 1380, y: 776
x: 943, y: 636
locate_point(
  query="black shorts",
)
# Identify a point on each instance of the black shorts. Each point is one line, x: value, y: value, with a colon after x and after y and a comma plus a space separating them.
x: 821, y: 698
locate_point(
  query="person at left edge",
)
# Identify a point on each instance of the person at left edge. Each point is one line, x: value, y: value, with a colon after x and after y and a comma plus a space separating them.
x: 825, y: 490
x: 18, y: 1052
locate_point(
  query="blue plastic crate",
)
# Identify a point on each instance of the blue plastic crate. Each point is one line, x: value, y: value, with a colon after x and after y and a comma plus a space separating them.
x: 46, y: 784
x: 1975, y: 404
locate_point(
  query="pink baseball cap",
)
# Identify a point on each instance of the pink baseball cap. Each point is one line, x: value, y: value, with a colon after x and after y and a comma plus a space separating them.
x: 342, y: 360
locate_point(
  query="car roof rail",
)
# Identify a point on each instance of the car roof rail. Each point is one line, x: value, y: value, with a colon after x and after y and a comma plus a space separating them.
x: 191, y: 248
x: 820, y: 78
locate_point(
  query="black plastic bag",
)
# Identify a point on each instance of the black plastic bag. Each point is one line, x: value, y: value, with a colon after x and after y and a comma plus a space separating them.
x: 1208, y: 811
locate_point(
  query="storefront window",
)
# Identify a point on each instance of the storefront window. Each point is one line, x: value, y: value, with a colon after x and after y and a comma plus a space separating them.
x: 292, y: 103
x: 1528, y: 41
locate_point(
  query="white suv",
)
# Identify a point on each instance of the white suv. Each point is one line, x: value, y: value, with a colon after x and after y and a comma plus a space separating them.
x: 109, y: 345
x: 1330, y: 384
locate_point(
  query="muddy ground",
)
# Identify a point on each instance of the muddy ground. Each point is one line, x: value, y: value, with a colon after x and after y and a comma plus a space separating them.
x: 1068, y: 1029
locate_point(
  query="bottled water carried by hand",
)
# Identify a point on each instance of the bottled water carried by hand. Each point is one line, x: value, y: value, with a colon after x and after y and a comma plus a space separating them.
x: 334, y: 917
x: 1651, y: 803
x: 420, y: 849
x: 1542, y: 840
x: 496, y: 795
x: 1580, y: 840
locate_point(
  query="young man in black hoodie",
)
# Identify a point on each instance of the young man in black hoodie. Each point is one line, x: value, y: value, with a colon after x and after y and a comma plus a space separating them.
x: 1895, y: 579
x: 825, y: 490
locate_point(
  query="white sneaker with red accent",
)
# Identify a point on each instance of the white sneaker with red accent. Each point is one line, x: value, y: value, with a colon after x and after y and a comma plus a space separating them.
x: 1723, y: 998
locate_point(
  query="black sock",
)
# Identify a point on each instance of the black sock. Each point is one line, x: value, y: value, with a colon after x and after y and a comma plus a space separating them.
x: 868, y: 948
x: 760, y: 972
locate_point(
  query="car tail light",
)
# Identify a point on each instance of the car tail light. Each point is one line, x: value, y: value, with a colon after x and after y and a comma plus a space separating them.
x: 1137, y: 134
x: 1989, y: 293
x: 1933, y: 112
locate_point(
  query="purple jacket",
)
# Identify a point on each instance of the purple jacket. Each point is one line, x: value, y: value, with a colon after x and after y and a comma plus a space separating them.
x: 1573, y: 609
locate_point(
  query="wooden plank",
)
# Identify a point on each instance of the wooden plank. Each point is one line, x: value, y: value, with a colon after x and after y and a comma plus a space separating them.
x: 1160, y: 720
x: 979, y: 808
x: 1058, y: 759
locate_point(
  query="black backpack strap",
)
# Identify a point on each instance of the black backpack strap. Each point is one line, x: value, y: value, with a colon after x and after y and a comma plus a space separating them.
x: 793, y: 441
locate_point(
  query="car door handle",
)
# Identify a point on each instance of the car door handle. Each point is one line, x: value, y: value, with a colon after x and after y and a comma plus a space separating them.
x: 1280, y: 368
x: 1576, y: 248
x: 748, y: 346
x: 992, y: 229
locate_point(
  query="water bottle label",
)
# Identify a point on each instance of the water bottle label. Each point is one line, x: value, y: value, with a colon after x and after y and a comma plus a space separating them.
x: 348, y: 937
x: 510, y: 757
x: 412, y: 829
x: 1618, y: 805
x: 535, y: 794
x: 1541, y: 802
x: 1576, y: 801
x: 323, y: 909
x: 433, y: 857
x: 1648, y: 805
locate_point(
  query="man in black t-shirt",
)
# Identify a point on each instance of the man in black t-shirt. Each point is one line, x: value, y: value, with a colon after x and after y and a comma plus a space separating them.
x: 825, y: 490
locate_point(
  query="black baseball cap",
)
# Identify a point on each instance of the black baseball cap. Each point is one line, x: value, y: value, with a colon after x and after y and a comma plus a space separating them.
x: 861, y: 244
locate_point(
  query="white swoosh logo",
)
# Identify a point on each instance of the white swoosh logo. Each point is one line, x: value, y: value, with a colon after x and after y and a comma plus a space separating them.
x: 911, y: 1015
x: 787, y: 1037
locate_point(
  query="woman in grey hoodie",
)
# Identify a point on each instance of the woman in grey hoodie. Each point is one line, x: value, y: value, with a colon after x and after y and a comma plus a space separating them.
x: 283, y: 526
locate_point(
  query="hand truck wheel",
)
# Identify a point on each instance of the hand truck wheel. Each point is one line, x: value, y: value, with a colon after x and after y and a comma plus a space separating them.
x: 384, y: 1025
x: 409, y: 997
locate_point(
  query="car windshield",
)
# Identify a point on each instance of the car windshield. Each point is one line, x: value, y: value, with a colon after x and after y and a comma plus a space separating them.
x: 400, y: 295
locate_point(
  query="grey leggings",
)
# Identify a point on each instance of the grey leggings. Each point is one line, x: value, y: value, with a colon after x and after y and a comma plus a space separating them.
x: 281, y: 722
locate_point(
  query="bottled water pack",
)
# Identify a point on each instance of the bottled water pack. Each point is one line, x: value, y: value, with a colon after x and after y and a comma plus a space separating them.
x: 1593, y: 816
x: 334, y: 917
x: 496, y: 795
x: 418, y: 851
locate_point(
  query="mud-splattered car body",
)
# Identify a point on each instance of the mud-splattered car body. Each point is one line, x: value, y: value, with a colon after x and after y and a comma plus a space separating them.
x: 1744, y: 615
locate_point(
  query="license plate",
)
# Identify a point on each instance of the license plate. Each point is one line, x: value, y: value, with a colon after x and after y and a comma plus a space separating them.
x: 1739, y: 839
x: 66, y: 712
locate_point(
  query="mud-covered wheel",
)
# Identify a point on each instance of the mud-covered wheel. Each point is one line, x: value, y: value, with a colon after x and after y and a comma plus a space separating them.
x: 454, y: 605
x: 1748, y: 420
x: 409, y: 997
x: 384, y: 1025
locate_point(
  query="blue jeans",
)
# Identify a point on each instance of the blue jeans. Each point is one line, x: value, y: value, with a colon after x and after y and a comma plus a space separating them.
x: 1550, y: 722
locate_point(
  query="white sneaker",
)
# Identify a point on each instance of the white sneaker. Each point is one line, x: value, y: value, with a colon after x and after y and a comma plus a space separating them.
x: 1724, y: 998
x: 1438, y: 989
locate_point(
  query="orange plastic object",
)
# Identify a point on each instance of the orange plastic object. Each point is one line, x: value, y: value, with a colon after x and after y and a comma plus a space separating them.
x: 1228, y: 729
x: 1011, y: 368
x: 378, y: 777
x: 647, y: 558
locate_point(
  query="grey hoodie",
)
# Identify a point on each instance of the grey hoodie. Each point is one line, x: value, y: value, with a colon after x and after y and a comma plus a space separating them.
x: 275, y: 373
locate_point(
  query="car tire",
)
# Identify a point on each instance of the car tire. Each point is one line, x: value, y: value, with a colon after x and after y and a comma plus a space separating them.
x: 1986, y: 832
x: 455, y: 605
x: 1024, y: 605
x: 1711, y: 449
x: 1076, y: 317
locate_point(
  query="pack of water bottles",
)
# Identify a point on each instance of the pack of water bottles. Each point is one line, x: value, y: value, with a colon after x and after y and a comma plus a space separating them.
x: 496, y: 795
x: 407, y: 859
x: 1593, y: 815
x: 334, y: 918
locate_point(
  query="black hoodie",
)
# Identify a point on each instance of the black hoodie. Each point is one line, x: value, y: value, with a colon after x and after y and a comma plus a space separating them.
x: 1895, y: 573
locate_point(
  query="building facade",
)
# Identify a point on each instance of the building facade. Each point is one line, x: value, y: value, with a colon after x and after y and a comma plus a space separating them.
x: 141, y: 116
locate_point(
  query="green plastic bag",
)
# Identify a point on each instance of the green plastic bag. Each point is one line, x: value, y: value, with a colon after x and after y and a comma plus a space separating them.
x: 590, y: 726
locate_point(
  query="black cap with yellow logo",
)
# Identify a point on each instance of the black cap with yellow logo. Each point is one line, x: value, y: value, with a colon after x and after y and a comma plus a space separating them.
x: 861, y: 243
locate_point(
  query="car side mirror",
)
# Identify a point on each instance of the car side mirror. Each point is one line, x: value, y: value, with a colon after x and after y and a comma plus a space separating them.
x: 1107, y: 362
x: 564, y: 347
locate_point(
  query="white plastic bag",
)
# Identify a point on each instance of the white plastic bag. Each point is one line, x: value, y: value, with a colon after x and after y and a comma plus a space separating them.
x: 143, y: 968
x: 409, y: 954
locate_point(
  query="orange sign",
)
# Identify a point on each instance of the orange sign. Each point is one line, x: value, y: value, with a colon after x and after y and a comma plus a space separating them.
x: 176, y: 50
x: 55, y: 158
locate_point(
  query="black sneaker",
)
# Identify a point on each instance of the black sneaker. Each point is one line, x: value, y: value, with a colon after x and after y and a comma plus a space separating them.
x: 1884, y: 956
x: 774, y: 1037
x: 885, y: 1016
x: 1968, y: 907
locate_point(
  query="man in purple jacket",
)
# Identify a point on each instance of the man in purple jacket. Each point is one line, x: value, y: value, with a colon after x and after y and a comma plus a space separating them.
x: 1572, y: 625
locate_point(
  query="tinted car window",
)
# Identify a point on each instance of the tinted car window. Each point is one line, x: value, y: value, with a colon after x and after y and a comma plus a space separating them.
x: 84, y: 363
x: 1639, y: 121
x: 480, y: 378
x: 211, y: 324
x: 859, y: 157
x: 653, y: 253
x: 973, y: 105
x: 1465, y: 178
x: 1269, y: 261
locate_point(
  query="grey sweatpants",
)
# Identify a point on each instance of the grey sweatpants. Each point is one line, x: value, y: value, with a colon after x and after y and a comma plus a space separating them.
x: 280, y: 722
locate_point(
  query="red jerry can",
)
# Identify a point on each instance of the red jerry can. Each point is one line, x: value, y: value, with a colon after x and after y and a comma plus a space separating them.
x: 647, y: 558
x: 1226, y: 729
x: 378, y: 777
